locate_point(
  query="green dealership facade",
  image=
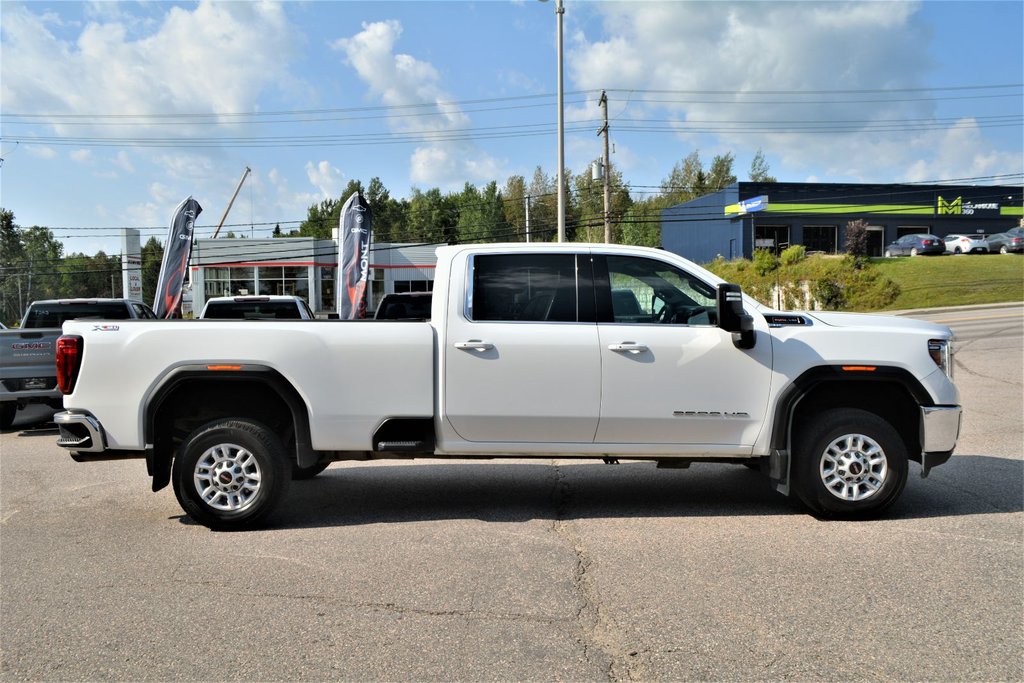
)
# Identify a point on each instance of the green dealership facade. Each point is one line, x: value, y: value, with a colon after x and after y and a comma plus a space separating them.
x: 746, y: 215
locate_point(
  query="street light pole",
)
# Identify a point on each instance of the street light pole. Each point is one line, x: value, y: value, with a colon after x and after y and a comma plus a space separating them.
x: 560, y: 12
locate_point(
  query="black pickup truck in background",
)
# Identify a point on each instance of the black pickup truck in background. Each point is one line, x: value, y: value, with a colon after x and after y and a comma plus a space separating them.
x: 404, y: 306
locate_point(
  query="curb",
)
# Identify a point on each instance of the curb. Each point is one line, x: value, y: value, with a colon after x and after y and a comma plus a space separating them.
x: 951, y: 309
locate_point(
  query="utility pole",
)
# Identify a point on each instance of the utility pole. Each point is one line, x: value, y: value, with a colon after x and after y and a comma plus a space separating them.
x: 527, y: 200
x: 607, y: 171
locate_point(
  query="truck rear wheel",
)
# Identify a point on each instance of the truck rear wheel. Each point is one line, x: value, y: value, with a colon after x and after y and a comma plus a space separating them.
x: 849, y: 463
x: 230, y: 474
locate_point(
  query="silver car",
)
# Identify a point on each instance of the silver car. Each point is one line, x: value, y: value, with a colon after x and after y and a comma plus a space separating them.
x: 966, y: 244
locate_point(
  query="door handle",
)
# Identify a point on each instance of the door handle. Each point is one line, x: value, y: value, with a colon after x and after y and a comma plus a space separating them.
x: 628, y: 347
x: 474, y: 345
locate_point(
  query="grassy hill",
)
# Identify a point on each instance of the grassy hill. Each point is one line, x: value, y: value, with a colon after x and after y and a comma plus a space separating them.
x: 929, y: 281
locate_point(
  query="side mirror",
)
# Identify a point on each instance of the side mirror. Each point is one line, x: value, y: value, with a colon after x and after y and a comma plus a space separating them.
x: 732, y: 317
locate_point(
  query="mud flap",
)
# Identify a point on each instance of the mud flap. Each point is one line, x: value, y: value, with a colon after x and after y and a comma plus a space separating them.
x: 778, y: 471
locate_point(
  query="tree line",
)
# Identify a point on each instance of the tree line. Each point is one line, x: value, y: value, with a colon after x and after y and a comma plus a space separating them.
x: 33, y: 264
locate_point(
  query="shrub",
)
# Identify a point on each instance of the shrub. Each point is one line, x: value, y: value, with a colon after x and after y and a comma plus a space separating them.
x: 765, y: 261
x: 793, y: 255
x: 857, y: 238
x: 828, y: 294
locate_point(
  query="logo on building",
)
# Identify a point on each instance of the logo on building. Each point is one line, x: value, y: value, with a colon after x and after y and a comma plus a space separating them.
x: 958, y: 207
x: 955, y: 207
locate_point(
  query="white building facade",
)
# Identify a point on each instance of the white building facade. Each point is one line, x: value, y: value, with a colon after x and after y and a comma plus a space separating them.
x: 302, y: 266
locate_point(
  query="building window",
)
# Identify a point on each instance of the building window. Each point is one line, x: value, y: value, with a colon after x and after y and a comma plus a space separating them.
x: 821, y: 238
x: 772, y: 237
x: 902, y: 230
x: 228, y: 281
x: 328, y: 283
x: 402, y: 286
x: 290, y: 280
x: 377, y: 289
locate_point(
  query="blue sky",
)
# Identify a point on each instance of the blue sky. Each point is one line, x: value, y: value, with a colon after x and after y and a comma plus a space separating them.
x: 437, y: 94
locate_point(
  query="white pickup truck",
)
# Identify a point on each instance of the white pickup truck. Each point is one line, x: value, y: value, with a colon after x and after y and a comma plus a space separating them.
x: 543, y: 351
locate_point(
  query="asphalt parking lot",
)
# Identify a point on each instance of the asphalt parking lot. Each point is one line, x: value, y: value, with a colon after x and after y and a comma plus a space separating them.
x: 528, y: 570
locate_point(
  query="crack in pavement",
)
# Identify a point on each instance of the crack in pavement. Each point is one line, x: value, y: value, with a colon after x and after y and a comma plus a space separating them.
x: 597, y: 632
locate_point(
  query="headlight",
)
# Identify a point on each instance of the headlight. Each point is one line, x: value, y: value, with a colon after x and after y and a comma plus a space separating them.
x: 941, y: 351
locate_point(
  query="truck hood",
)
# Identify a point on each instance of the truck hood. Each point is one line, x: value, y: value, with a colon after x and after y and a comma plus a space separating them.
x: 879, y: 322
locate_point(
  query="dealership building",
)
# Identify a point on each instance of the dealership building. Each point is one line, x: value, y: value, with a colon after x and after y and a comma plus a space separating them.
x: 746, y: 215
x: 302, y: 266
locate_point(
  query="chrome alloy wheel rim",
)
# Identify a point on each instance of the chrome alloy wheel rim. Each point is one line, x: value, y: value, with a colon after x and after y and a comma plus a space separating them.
x: 227, y: 477
x: 853, y: 467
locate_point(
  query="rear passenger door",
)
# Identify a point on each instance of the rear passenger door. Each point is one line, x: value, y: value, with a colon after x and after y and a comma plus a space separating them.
x: 521, y: 363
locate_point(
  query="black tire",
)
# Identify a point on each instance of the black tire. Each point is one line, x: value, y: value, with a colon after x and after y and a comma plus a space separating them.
x: 8, y: 409
x: 849, y: 463
x: 308, y: 472
x: 230, y: 474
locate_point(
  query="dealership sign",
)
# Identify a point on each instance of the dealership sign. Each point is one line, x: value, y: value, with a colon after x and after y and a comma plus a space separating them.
x: 754, y: 204
x: 958, y: 207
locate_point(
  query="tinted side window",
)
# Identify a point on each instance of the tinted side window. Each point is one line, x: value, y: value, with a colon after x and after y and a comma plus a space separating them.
x: 524, y: 287
x: 649, y: 291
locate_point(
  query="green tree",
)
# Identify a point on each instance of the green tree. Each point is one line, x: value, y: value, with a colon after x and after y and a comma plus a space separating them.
x: 41, y: 258
x: 543, y: 207
x: 91, y: 276
x: 388, y: 214
x: 686, y: 181
x: 638, y: 227
x: 433, y: 217
x: 720, y: 174
x: 759, y: 169
x: 514, y: 207
x: 12, y: 302
x: 152, y: 257
x: 322, y: 218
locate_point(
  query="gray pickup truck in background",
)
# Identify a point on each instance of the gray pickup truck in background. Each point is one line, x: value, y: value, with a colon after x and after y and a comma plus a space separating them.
x: 27, y: 370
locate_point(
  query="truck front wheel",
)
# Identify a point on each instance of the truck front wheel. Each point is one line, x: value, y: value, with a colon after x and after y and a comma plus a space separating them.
x: 230, y: 474
x: 8, y: 409
x: 849, y: 463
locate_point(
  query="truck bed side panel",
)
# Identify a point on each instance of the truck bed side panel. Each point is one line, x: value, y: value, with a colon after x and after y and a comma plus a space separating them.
x: 349, y: 374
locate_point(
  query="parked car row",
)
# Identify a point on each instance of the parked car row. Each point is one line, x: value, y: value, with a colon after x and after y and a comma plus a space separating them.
x: 922, y: 244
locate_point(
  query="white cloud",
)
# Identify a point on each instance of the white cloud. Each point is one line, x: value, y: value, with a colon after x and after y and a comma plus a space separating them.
x: 41, y: 151
x: 216, y: 58
x: 325, y: 178
x: 81, y: 156
x: 708, y: 58
x: 161, y: 194
x: 123, y: 162
x: 401, y: 80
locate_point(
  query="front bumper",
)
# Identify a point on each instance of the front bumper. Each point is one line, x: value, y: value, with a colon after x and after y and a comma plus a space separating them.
x: 940, y: 428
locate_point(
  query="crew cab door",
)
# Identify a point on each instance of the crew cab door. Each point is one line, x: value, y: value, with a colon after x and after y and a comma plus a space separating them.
x: 670, y: 375
x: 521, y: 356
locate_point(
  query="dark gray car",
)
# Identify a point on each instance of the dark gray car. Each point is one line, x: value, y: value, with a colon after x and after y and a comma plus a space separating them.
x: 915, y: 245
x: 1006, y: 243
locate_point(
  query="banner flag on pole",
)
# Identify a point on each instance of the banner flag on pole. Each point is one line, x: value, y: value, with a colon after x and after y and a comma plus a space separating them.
x: 354, y: 257
x: 177, y: 252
